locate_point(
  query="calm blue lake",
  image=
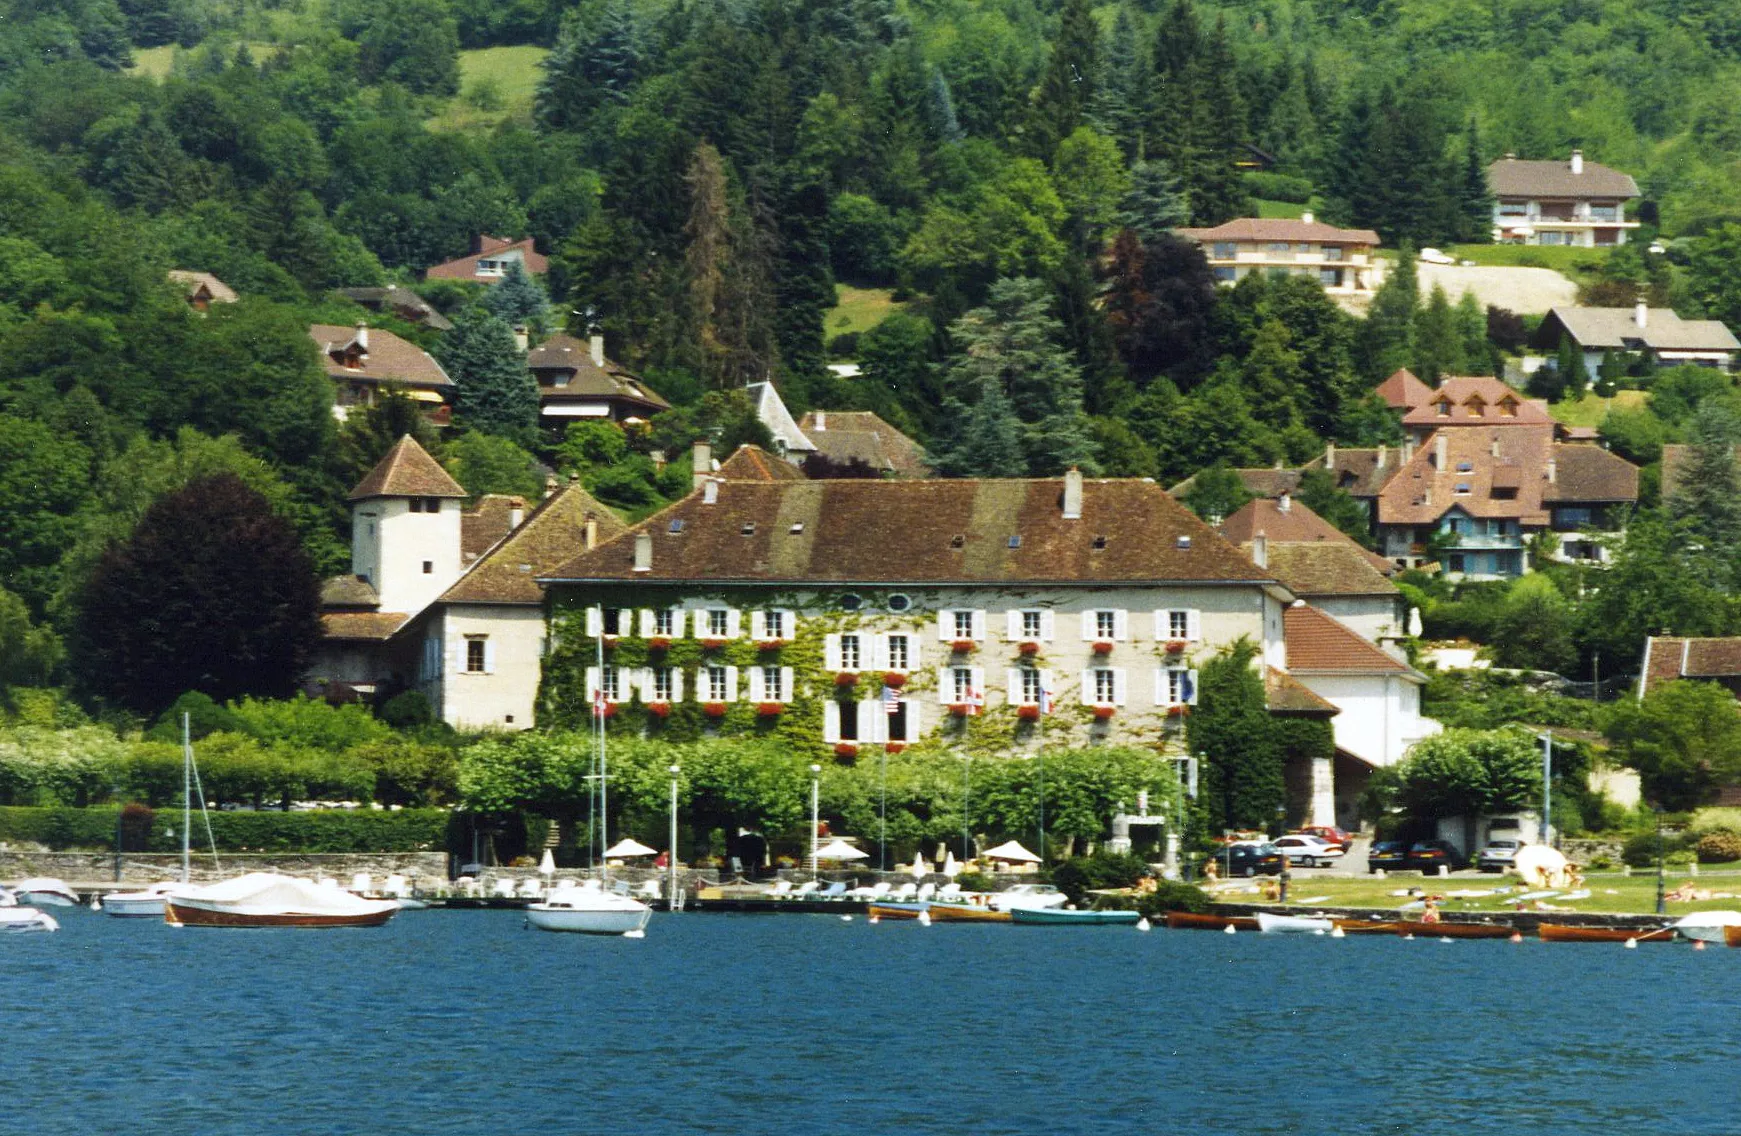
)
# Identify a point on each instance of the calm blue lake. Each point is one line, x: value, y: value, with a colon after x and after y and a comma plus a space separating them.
x: 463, y: 1022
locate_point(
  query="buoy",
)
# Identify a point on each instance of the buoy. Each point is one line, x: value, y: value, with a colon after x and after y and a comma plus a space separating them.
x: 96, y: 903
x: 1444, y: 938
x: 1632, y: 944
x: 874, y: 919
x: 1320, y: 931
x: 924, y: 918
x: 1338, y: 933
x: 1143, y: 924
x: 637, y: 933
x: 1230, y: 929
x: 1517, y: 936
x: 1698, y: 944
x: 1408, y: 938
x: 846, y: 919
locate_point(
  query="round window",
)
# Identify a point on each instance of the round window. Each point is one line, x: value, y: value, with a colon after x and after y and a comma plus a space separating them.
x: 898, y: 602
x: 851, y: 601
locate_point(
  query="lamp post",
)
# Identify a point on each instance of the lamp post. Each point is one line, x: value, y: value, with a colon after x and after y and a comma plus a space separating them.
x: 1660, y: 866
x: 966, y: 789
x: 815, y: 815
x: 671, y: 856
x: 1547, y: 740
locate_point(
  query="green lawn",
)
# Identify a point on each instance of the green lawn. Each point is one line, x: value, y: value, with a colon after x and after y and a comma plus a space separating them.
x: 857, y: 309
x: 1590, y: 410
x: 1279, y: 208
x: 158, y: 62
x: 495, y: 85
x: 1610, y: 892
x: 1566, y: 260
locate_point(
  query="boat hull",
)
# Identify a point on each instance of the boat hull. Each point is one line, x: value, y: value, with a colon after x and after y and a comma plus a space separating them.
x: 1365, y: 927
x: 967, y: 913
x: 191, y: 913
x: 46, y: 899
x: 1193, y: 921
x: 1292, y: 924
x: 26, y: 920
x: 1057, y: 917
x: 1453, y: 930
x: 1566, y: 933
x: 134, y: 907
x: 589, y: 922
x: 896, y: 910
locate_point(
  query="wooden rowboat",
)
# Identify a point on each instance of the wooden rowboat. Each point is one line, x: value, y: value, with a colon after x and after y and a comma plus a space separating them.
x: 1058, y: 916
x: 895, y: 910
x: 181, y: 911
x: 1732, y: 936
x: 1567, y: 933
x: 1192, y: 921
x: 967, y: 913
x: 1452, y: 930
x: 1366, y: 927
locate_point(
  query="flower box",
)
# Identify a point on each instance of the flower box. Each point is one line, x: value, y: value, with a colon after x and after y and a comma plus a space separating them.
x: 962, y: 646
x: 770, y: 644
x: 846, y: 678
x: 1175, y: 647
x: 609, y: 641
x: 1102, y: 713
x: 770, y: 709
x: 608, y: 710
x: 895, y: 747
x: 1028, y: 713
x: 961, y: 709
x: 658, y: 644
x: 659, y: 709
x: 1029, y: 648
x: 1103, y: 648
x: 845, y: 749
x: 713, y: 709
x: 895, y: 679
x: 1176, y: 711
x: 712, y: 644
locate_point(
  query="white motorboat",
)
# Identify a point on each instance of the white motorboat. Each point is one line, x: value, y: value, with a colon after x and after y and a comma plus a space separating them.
x: 7, y: 899
x: 147, y: 903
x: 1292, y: 924
x: 21, y: 920
x: 1028, y: 897
x: 267, y: 899
x: 45, y: 891
x: 1708, y: 925
x: 589, y: 911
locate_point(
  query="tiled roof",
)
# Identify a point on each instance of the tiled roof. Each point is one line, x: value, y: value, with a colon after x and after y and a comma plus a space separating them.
x: 1287, y: 521
x: 348, y: 591
x: 554, y: 533
x: 564, y: 356
x: 1590, y: 473
x: 1329, y: 570
x: 1519, y: 177
x: 407, y: 471
x: 1425, y: 489
x: 219, y: 292
x: 1316, y: 642
x: 466, y: 267
x: 370, y: 625
x: 849, y: 435
x: 1402, y: 391
x: 1477, y: 400
x: 1668, y: 658
x: 485, y: 523
x: 1263, y: 482
x: 924, y: 532
x: 386, y: 359
x: 1286, y: 694
x: 1360, y: 472
x: 1281, y: 229
x: 752, y: 463
x: 1599, y: 329
x: 405, y: 303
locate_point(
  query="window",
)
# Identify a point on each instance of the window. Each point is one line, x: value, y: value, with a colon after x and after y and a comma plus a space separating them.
x: 663, y: 686
x: 851, y: 601
x: 1031, y: 686
x: 1105, y: 686
x: 773, y: 684
x: 1462, y: 489
x: 1476, y: 407
x: 963, y: 624
x: 898, y: 731
x: 417, y: 504
x: 1277, y: 246
x: 774, y: 625
x: 432, y: 505
x: 429, y: 567
x: 664, y: 622
x: 849, y: 653
x: 1032, y: 625
x: 474, y: 656
x: 614, y: 622
x: 610, y: 684
x: 848, y: 729
x: 1106, y: 624
x: 718, y: 685
x: 1015, y: 542
x: 961, y: 684
x: 1330, y: 277
x: 677, y: 526
x: 899, y: 653
x: 1332, y: 252
x: 1456, y: 562
x: 1224, y: 250
x: 1098, y: 544
x: 1225, y: 275
x: 899, y: 602
x: 718, y: 623
x: 1178, y: 625
x: 1443, y: 407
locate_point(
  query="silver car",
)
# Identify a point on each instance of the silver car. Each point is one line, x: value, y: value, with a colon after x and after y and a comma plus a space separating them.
x: 1498, y: 855
x: 1308, y: 851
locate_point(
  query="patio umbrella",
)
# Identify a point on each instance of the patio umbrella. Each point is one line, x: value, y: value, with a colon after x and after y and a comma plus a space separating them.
x: 920, y: 869
x: 1011, y: 850
x: 950, y: 867
x: 839, y: 850
x: 626, y: 848
x: 547, y: 866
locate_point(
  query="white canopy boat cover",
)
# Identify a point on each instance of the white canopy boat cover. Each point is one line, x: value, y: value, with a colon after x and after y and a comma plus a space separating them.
x: 268, y: 893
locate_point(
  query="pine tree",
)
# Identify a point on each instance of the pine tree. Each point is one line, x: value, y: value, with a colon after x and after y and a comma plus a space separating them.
x: 1471, y: 320
x: 1155, y: 204
x: 495, y: 391
x: 1707, y: 491
x: 595, y: 62
x: 518, y: 299
x: 989, y: 443
x: 1216, y: 185
x: 1571, y: 365
x: 1438, y: 348
x: 1474, y: 196
x: 1068, y: 88
x: 704, y: 261
x: 1387, y: 339
x: 942, y: 107
x: 1318, y: 492
x: 1120, y: 108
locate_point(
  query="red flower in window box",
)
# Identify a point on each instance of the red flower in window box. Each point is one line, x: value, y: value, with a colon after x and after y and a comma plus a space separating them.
x: 1028, y: 713
x: 845, y: 749
x: 962, y: 646
x: 713, y: 709
x: 1175, y: 646
x: 658, y: 644
x: 770, y: 644
x: 895, y: 679
x: 1102, y: 713
x: 846, y: 678
x: 608, y: 710
x: 1103, y: 648
x: 961, y: 709
x: 659, y: 709
x: 770, y: 709
x: 1029, y: 648
x: 609, y: 641
x: 712, y: 644
x: 1176, y: 711
x: 895, y: 747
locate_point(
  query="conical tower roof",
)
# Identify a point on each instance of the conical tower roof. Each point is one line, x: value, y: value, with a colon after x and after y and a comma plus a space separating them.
x: 407, y: 471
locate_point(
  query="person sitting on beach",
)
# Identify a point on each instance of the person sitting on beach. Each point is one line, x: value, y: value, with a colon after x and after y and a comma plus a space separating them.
x: 1431, y: 913
x: 1687, y: 893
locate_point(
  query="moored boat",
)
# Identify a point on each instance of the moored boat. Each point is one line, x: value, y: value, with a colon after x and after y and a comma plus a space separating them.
x: 1709, y: 926
x: 589, y: 911
x: 887, y: 909
x: 1059, y: 916
x: 1028, y: 895
x: 44, y: 891
x: 1365, y: 926
x: 1274, y: 924
x: 1569, y: 933
x: 22, y: 920
x: 146, y: 903
x: 1444, y: 930
x: 967, y: 913
x: 266, y: 899
x: 1195, y: 921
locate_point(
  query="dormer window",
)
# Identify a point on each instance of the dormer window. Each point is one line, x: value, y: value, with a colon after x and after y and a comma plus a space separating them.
x: 958, y: 541
x: 1508, y: 408
x: 1443, y: 406
x: 1099, y: 544
x: 1476, y: 407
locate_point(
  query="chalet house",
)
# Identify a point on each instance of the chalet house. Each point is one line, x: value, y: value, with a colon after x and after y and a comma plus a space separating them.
x: 575, y: 380
x: 842, y: 437
x: 1342, y: 260
x: 1655, y: 333
x: 489, y: 261
x: 1667, y: 659
x: 363, y: 361
x: 1321, y: 565
x: 402, y: 302
x: 1474, y: 401
x: 202, y: 289
x: 1574, y: 202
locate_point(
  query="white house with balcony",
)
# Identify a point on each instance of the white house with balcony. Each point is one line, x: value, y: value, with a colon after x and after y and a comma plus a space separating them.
x: 1343, y: 261
x: 1574, y: 202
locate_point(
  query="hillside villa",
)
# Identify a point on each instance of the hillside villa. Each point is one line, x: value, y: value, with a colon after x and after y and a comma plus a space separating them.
x: 1342, y: 260
x: 1574, y: 202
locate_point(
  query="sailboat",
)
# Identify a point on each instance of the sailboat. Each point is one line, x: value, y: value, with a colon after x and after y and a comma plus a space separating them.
x: 148, y: 902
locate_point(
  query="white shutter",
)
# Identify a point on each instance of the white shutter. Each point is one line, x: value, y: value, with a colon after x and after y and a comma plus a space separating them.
x: 677, y: 684
x: 1088, y: 627
x: 1046, y: 624
x: 979, y: 626
x: 831, y: 653
x: 1193, y: 625
x: 1012, y: 625
x: 734, y: 623
x: 978, y: 681
x: 1087, y: 688
x: 756, y: 685
x: 1121, y: 625
x: 1192, y: 701
x: 1013, y: 686
x: 489, y: 656
x: 758, y: 625
x: 831, y: 721
x: 788, y: 623
x: 642, y: 677
x: 1161, y: 698
x: 912, y: 721
x: 591, y: 686
x: 945, y: 625
x: 678, y: 622
x: 456, y: 655
x: 785, y: 684
x: 731, y: 684
x: 1163, y: 626
x: 594, y: 622
x: 877, y: 647
x: 646, y: 623
x: 1046, y: 685
x: 1118, y: 686
x: 873, y: 722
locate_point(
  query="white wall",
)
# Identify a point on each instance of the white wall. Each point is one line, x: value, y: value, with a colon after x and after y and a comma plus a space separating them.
x: 1372, y: 617
x: 1380, y: 715
x: 504, y: 696
x: 390, y: 546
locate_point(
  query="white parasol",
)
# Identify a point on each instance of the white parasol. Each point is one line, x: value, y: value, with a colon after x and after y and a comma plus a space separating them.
x: 950, y: 867
x: 839, y: 850
x: 1011, y: 850
x: 920, y: 869
x: 627, y: 848
x: 547, y: 866
x: 1540, y: 865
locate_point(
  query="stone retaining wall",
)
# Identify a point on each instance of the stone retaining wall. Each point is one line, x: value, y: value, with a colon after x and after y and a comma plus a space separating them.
x: 426, y: 870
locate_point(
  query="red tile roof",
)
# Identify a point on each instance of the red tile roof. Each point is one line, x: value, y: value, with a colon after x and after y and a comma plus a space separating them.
x: 1477, y: 400
x: 384, y: 359
x: 466, y: 267
x: 1281, y: 229
x: 552, y: 535
x: 848, y: 435
x: 1668, y: 658
x: 1512, y: 460
x: 1522, y: 177
x: 407, y: 471
x: 1402, y: 391
x: 752, y: 463
x: 1287, y: 695
x: 1292, y: 524
x: 1318, y: 643
x: 489, y: 520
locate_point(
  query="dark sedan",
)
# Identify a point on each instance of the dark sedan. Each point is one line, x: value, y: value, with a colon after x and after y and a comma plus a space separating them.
x: 1429, y: 855
x: 1390, y: 855
x: 1251, y: 860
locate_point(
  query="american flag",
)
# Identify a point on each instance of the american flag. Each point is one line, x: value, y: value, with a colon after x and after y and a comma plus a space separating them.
x: 891, y: 700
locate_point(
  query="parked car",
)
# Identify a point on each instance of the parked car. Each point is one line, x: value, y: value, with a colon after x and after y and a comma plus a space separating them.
x: 1328, y: 833
x: 1251, y: 860
x: 1308, y: 851
x: 1389, y: 855
x: 1428, y: 855
x: 1498, y: 855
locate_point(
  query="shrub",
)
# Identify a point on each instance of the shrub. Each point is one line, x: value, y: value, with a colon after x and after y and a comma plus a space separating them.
x: 336, y: 830
x: 1719, y: 846
x: 1171, y: 895
x: 1077, y: 877
x: 406, y: 710
x: 1640, y: 851
x: 1279, y: 187
x: 977, y: 881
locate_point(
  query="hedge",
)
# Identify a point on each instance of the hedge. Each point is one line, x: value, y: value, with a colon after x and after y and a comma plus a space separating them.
x: 335, y: 830
x: 1278, y: 187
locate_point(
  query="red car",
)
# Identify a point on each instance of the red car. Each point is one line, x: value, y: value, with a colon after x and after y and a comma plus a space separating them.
x: 1329, y: 834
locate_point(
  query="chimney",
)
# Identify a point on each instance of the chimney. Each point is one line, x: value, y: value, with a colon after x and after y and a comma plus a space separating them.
x: 1408, y: 451
x: 1553, y: 472
x: 1441, y: 445
x: 643, y: 552
x: 598, y: 350
x: 1577, y: 161
x: 1073, y: 495
x: 516, y: 512
x: 820, y: 418
x: 550, y: 487
x: 710, y: 491
x: 520, y: 337
x: 1330, y: 455
x: 701, y: 460
x: 362, y: 340
x: 1641, y: 312
x: 589, y: 532
x: 1306, y: 218
x: 1284, y: 503
x: 1260, y: 550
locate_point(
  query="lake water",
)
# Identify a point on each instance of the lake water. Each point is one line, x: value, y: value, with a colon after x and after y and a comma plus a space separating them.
x: 463, y: 1022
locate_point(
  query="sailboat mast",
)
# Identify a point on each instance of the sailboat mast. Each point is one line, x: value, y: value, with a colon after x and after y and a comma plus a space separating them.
x: 604, y: 830
x: 186, y: 793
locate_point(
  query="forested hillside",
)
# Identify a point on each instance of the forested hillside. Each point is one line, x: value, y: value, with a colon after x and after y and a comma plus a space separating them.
x: 704, y: 174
